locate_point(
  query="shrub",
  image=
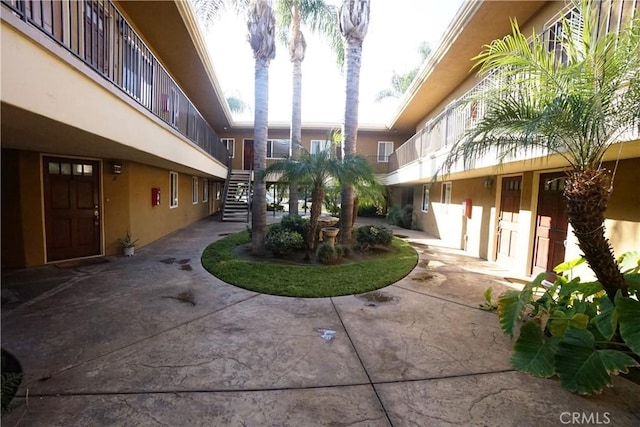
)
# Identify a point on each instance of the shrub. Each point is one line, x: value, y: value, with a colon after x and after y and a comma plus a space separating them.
x: 572, y: 329
x: 370, y: 211
x: 283, y: 242
x: 294, y: 223
x: 273, y: 228
x: 368, y: 236
x: 327, y: 254
x: 344, y: 251
x: 401, y: 217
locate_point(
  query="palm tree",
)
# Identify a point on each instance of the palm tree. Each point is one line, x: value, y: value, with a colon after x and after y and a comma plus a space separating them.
x: 574, y: 103
x: 317, y: 171
x: 261, y: 26
x: 354, y: 22
x: 401, y: 82
x: 321, y: 18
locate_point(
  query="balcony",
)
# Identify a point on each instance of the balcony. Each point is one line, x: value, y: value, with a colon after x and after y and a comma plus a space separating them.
x: 95, y: 32
x: 421, y: 156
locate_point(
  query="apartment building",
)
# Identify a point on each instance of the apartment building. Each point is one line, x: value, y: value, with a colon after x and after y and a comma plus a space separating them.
x: 511, y: 212
x: 110, y: 112
x: 113, y: 123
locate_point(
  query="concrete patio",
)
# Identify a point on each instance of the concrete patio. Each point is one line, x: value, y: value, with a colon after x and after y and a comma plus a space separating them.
x: 110, y: 344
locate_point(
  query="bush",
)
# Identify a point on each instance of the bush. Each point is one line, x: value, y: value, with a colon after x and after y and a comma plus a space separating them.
x: 370, y: 211
x: 283, y: 242
x: 368, y: 236
x: 327, y: 254
x: 344, y: 251
x: 401, y: 217
x: 572, y: 329
x: 294, y: 223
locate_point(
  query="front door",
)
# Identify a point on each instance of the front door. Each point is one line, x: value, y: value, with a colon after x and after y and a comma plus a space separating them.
x: 552, y: 223
x: 247, y: 163
x: 72, y: 207
x: 508, y: 219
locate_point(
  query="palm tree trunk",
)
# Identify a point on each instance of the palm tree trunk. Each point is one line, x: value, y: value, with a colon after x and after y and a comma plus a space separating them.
x: 317, y: 196
x: 350, y: 131
x: 259, y: 199
x: 587, y: 192
x: 296, y: 131
x: 296, y: 51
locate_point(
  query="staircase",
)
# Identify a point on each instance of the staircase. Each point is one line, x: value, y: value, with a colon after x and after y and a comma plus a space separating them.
x: 236, y: 202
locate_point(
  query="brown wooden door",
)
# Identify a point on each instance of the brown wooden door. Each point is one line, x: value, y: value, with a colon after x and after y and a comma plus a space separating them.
x: 552, y: 223
x: 72, y: 207
x: 247, y: 163
x: 508, y: 219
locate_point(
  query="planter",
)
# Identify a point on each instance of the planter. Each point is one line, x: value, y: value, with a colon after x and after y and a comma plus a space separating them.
x: 129, y: 251
x: 329, y: 235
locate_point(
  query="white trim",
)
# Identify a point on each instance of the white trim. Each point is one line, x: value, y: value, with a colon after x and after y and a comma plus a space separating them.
x: 426, y: 188
x: 384, y: 158
x: 323, y: 144
x: 173, y: 201
x: 205, y: 190
x: 445, y: 196
x: 271, y: 141
x: 195, y: 192
x: 226, y: 141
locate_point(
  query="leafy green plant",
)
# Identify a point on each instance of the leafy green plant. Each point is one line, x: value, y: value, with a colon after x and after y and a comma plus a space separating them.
x: 401, y: 217
x: 294, y: 223
x: 327, y: 254
x: 10, y: 380
x: 369, y: 236
x: 344, y: 251
x: 283, y: 242
x: 127, y: 242
x: 572, y: 329
x: 488, y: 305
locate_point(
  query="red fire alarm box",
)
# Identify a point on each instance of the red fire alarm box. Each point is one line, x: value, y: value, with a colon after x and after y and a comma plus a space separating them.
x: 155, y: 196
x: 466, y: 208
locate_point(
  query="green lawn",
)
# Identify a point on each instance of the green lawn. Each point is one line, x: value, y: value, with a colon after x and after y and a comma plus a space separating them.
x: 307, y: 281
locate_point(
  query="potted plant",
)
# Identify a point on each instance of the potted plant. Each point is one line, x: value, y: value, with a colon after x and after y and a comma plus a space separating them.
x: 128, y: 245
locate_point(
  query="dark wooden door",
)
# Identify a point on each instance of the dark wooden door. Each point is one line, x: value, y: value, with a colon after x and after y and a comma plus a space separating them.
x: 552, y: 223
x: 247, y: 161
x: 72, y: 207
x: 509, y: 218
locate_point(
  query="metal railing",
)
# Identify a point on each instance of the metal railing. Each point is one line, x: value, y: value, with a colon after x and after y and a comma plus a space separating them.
x: 97, y: 33
x: 442, y: 131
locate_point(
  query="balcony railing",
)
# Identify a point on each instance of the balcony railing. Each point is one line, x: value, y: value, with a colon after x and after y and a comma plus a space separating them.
x: 96, y: 32
x: 442, y: 131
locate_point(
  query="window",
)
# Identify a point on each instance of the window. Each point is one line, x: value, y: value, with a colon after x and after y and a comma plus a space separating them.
x: 445, y: 196
x: 425, y: 197
x: 278, y: 148
x: 319, y: 145
x: 205, y: 190
x: 194, y: 190
x: 385, y: 149
x: 230, y: 143
x: 173, y: 187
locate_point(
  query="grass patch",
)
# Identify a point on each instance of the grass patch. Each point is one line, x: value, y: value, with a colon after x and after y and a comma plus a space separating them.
x: 307, y: 281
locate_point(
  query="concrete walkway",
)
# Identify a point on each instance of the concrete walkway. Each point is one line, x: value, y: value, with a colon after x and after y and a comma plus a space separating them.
x: 109, y: 344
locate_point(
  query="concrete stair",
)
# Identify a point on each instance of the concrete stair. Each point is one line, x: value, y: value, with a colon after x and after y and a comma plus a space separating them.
x: 236, y: 206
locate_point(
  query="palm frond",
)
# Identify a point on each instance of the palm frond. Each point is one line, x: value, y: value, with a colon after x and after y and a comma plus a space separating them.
x: 574, y: 102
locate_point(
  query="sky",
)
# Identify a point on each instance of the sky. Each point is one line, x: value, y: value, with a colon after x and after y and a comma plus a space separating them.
x: 396, y: 30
